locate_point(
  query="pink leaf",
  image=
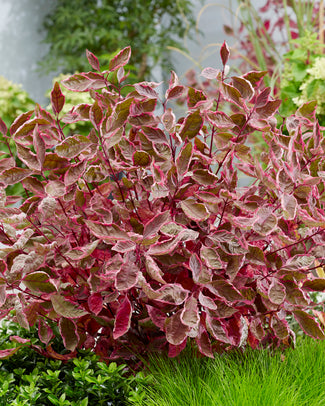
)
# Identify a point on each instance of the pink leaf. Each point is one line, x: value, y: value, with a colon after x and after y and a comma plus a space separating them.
x: 95, y: 303
x: 123, y: 319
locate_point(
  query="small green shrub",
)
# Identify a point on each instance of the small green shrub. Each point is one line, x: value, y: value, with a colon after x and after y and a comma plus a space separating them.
x: 29, y: 378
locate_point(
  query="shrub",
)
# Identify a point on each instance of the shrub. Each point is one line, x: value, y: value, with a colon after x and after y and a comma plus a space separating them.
x: 28, y: 378
x: 137, y: 236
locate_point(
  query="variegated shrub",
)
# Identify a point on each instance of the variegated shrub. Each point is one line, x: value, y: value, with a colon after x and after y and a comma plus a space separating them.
x: 138, y: 237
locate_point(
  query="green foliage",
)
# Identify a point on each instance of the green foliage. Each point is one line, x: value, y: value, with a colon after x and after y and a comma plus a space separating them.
x: 28, y: 378
x: 241, y: 378
x: 303, y: 76
x: 13, y: 100
x: 151, y: 26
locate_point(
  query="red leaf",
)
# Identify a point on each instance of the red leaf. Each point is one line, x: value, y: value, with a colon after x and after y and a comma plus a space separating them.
x: 57, y: 98
x: 224, y: 53
x: 123, y: 319
x: 95, y: 303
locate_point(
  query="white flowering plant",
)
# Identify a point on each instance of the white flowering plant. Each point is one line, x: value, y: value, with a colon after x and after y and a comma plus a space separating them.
x: 14, y: 100
x: 303, y: 76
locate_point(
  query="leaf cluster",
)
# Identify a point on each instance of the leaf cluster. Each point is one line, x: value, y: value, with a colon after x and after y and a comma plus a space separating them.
x: 138, y: 237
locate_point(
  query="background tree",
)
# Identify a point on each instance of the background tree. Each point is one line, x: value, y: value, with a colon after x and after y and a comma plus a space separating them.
x: 108, y: 25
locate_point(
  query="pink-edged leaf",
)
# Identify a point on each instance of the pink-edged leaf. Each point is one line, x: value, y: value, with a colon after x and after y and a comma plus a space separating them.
x: 207, y: 302
x: 74, y: 173
x: 57, y: 98
x: 193, y: 210
x: 55, y: 188
x: 122, y: 319
x: 175, y: 350
x: 3, y: 127
x: 289, y: 205
x: 220, y: 120
x: 269, y: 109
x: 124, y: 246
x: 19, y: 340
x: 65, y: 308
x: 175, y: 92
x: 155, y: 135
x: 265, y: 221
x: 146, y: 90
x: 210, y: 73
x: 39, y: 146
x: 315, y: 285
x: 69, y: 334
x: 153, y: 270
x: 203, y: 342
x: 280, y: 327
x: 231, y: 94
x: 225, y: 290
x: 184, y: 159
x: 4, y: 354
x: 106, y: 231
x: 83, y: 82
x: 210, y: 257
x: 127, y: 276
x: 263, y: 97
x: 308, y: 324
x: 244, y: 86
x: 95, y: 303
x: 169, y: 120
x: 38, y: 281
x: 14, y: 175
x: 201, y: 274
x: 28, y: 157
x: 45, y: 333
x: 96, y: 114
x: 176, y: 331
x: 121, y: 59
x: 72, y: 146
x: 191, y: 126
x: 93, y: 60
x: 157, y: 316
x: 153, y: 226
x: 190, y: 313
x: 276, y: 292
x: 224, y: 53
x: 217, y: 329
x: 141, y: 158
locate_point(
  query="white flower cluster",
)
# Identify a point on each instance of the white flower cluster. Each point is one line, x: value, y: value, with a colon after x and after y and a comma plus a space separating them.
x: 13, y: 100
x: 311, y: 90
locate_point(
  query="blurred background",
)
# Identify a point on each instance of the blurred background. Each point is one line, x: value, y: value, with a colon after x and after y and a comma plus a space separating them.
x: 25, y: 25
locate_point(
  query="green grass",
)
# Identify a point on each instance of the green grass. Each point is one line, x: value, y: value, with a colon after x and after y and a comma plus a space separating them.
x: 252, y: 378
